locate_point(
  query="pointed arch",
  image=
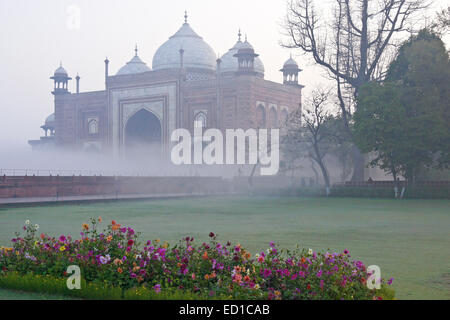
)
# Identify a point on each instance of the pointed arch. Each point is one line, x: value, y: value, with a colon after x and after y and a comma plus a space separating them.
x: 143, y: 132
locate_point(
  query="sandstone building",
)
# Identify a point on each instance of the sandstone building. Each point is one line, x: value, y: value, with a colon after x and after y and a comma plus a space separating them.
x: 141, y: 106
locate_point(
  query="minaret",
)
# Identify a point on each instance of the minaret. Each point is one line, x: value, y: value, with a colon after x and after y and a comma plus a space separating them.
x: 77, y: 78
x: 246, y: 56
x: 60, y: 79
x: 106, y: 70
x: 218, y: 91
x: 290, y: 72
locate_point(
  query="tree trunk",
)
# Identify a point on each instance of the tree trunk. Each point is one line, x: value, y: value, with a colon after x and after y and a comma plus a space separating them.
x: 358, y: 165
x: 250, y: 178
x: 324, y: 171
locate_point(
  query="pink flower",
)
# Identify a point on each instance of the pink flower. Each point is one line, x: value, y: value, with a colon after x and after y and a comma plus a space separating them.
x: 267, y: 273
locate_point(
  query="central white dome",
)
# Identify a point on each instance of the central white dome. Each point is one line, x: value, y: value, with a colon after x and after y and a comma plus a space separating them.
x: 197, y: 53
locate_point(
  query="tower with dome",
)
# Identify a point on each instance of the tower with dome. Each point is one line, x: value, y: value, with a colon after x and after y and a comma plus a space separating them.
x: 141, y: 105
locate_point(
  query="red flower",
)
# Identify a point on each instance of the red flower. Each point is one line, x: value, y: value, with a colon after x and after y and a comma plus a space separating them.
x: 130, y: 242
x: 308, y: 287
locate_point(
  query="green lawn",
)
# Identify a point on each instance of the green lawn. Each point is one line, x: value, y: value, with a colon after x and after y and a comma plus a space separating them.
x: 408, y: 239
x: 20, y: 295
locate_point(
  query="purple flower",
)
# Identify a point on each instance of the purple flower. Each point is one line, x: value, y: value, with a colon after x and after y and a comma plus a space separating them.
x: 157, y: 288
x: 62, y: 238
x: 390, y: 281
x: 319, y: 273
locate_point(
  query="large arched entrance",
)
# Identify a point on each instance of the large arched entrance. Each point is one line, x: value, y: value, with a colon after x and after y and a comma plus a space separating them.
x: 143, y: 134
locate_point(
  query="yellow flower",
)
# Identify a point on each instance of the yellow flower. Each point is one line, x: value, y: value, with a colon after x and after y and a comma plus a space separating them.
x: 157, y: 240
x: 256, y: 286
x: 62, y: 248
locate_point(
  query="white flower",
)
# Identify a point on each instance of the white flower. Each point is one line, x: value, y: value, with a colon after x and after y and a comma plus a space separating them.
x: 27, y: 222
x: 257, y: 255
x: 310, y: 251
x: 36, y: 226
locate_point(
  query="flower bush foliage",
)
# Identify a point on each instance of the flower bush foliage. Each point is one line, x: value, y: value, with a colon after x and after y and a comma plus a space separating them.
x: 115, y: 257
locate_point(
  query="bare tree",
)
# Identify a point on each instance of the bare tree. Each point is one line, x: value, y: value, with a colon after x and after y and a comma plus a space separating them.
x: 308, y: 135
x: 441, y: 25
x: 354, y: 47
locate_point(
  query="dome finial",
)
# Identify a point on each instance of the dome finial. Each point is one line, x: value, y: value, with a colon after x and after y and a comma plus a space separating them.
x: 185, y: 16
x: 135, y: 50
x: 239, y: 35
x: 245, y: 37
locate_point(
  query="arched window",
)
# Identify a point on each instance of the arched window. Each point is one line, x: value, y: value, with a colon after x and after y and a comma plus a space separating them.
x: 261, y: 116
x: 93, y: 126
x: 284, y: 117
x: 201, y: 116
x: 273, y: 118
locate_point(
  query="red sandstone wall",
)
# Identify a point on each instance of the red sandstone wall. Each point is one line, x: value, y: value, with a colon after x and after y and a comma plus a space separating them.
x: 59, y: 186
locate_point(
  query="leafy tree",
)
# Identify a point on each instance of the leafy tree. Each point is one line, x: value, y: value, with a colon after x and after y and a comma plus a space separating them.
x: 405, y: 120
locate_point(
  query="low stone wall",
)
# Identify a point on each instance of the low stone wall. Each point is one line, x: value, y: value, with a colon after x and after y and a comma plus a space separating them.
x: 392, y: 184
x: 63, y: 186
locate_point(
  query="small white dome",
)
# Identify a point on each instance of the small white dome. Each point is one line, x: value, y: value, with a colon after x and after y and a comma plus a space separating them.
x: 135, y: 65
x: 290, y: 63
x: 197, y: 53
x: 230, y: 62
x: 61, y: 71
x: 50, y: 120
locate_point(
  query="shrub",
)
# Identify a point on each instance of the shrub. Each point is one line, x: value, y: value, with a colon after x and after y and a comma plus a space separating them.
x: 114, y: 265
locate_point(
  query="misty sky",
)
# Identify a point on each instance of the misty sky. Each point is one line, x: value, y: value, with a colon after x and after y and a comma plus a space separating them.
x: 35, y: 38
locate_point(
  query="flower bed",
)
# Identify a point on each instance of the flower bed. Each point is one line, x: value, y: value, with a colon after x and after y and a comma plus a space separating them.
x: 115, y: 258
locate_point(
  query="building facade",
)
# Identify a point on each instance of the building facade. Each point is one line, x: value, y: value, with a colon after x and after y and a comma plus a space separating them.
x: 141, y: 106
